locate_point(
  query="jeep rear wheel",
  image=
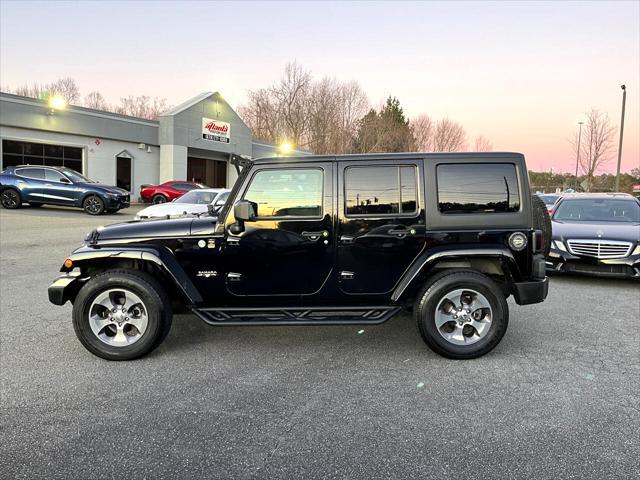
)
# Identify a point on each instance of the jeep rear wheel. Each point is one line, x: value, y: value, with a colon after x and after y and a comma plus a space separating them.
x: 121, y: 315
x: 462, y: 314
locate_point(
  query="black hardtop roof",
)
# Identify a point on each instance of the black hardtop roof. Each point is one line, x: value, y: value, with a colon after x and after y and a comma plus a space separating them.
x: 481, y: 156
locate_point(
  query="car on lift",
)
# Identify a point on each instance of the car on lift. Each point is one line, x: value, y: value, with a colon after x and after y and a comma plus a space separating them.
x: 167, y: 191
x: 325, y: 240
x: 596, y: 234
x: 195, y: 202
x: 39, y: 185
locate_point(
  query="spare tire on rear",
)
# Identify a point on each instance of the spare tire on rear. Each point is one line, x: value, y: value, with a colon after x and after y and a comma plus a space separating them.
x: 542, y: 221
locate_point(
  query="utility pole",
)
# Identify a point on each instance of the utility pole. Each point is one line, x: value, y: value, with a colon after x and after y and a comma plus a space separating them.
x: 624, y: 100
x: 578, y: 154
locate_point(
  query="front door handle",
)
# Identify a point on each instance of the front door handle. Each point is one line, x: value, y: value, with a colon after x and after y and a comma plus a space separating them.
x: 315, y: 236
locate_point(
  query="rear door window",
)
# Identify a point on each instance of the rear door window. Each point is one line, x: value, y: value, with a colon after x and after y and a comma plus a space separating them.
x: 35, y: 173
x: 477, y: 188
x: 380, y: 190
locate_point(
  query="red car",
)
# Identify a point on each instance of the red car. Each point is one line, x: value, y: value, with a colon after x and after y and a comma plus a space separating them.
x: 167, y: 191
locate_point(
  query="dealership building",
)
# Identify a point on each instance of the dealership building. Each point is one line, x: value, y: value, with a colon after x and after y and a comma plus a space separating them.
x: 193, y: 141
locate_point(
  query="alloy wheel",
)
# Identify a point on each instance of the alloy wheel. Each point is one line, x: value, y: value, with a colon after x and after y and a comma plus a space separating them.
x: 9, y: 199
x: 118, y: 317
x: 93, y: 205
x: 463, y: 316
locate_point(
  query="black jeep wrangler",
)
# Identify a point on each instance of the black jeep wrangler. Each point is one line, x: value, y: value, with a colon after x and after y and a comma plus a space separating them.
x: 325, y: 240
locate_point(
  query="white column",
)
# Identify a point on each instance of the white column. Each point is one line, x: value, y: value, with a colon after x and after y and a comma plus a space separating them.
x: 173, y: 162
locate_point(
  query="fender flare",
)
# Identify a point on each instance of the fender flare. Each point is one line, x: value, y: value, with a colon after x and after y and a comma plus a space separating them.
x: 161, y: 257
x: 427, y: 260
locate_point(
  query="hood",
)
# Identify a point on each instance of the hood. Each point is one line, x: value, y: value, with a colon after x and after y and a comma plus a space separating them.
x: 172, y: 208
x: 155, y: 228
x: 627, y: 232
x: 103, y: 188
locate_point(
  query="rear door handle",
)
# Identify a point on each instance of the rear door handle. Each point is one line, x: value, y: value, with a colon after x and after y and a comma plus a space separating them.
x: 398, y: 232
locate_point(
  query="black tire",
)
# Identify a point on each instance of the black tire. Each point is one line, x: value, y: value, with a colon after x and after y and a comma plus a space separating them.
x: 35, y: 205
x: 542, y: 221
x: 10, y: 198
x: 159, y: 198
x: 93, y: 205
x: 150, y: 292
x: 431, y: 295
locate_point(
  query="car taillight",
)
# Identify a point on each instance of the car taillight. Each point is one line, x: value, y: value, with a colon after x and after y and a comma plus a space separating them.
x: 538, y: 241
x: 550, y: 211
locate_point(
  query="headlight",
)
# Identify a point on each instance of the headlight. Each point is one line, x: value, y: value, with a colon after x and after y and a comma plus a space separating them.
x: 559, y: 245
x: 518, y: 241
x: 636, y: 251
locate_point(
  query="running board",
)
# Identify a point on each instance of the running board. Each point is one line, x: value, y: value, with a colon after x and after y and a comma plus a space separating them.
x: 296, y: 316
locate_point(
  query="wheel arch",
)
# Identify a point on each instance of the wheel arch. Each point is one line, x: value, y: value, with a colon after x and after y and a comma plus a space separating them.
x: 497, y: 263
x: 158, y: 261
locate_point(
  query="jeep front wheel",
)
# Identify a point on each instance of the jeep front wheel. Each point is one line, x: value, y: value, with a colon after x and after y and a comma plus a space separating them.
x: 121, y: 315
x: 462, y: 314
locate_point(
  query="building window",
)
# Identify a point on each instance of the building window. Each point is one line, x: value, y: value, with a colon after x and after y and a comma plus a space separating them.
x: 477, y: 188
x: 384, y: 190
x: 29, y: 153
x: 287, y: 193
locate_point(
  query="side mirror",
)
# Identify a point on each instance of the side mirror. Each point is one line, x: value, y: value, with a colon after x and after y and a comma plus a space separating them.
x: 64, y: 180
x: 244, y: 211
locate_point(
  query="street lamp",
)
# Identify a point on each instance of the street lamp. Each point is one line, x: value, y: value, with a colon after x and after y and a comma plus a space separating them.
x: 624, y: 99
x: 56, y: 102
x: 578, y: 154
x: 285, y: 148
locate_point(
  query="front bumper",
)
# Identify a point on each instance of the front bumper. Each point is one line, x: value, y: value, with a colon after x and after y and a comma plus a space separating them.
x: 117, y: 203
x: 560, y: 261
x: 65, y: 288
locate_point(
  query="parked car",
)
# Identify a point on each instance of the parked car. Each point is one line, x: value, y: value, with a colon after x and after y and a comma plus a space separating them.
x: 596, y: 234
x: 549, y: 200
x: 167, y: 191
x: 194, y: 202
x: 39, y: 185
x: 324, y: 240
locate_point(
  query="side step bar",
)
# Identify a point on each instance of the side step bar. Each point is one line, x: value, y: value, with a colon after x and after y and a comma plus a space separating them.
x: 296, y: 315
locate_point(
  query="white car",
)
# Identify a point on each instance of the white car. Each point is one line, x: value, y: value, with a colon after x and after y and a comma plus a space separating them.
x: 193, y: 202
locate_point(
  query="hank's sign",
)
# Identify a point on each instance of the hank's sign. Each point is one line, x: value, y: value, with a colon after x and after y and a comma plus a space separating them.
x: 215, y: 130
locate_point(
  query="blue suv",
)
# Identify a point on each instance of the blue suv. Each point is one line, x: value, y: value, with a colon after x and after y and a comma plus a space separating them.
x: 40, y: 185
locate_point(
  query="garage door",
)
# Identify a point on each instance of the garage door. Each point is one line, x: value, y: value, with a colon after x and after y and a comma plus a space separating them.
x: 30, y: 153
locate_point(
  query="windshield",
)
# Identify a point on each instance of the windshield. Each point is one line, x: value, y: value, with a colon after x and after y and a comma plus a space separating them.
x: 197, y: 197
x: 549, y: 199
x: 598, y: 210
x: 75, y: 176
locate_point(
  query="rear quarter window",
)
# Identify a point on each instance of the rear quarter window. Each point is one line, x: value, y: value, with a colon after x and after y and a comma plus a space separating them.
x: 477, y: 188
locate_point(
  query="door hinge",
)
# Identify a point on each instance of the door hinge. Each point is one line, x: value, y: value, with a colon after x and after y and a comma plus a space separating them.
x: 344, y: 275
x: 234, y: 277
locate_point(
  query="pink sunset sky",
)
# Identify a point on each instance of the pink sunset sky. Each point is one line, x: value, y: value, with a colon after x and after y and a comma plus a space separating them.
x: 521, y: 74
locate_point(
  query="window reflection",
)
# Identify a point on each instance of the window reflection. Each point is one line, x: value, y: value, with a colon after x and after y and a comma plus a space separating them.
x: 290, y: 192
x: 477, y: 188
x: 380, y: 190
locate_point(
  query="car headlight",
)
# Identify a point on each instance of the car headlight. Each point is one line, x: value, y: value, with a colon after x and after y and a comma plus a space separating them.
x: 636, y: 251
x: 559, y: 245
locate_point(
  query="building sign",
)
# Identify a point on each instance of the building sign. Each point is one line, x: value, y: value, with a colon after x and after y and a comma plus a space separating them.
x: 215, y: 130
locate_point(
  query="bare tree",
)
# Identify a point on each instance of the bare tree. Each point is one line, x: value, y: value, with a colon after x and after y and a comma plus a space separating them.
x: 66, y: 88
x: 597, y: 143
x: 95, y: 100
x: 449, y: 136
x: 142, y: 107
x: 423, y: 132
x: 292, y: 94
x: 483, y: 145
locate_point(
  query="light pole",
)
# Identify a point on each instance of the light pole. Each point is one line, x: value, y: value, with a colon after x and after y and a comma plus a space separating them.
x: 624, y: 100
x: 578, y: 154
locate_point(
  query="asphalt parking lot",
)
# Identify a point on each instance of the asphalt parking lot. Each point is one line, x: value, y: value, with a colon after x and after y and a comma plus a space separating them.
x: 558, y: 398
